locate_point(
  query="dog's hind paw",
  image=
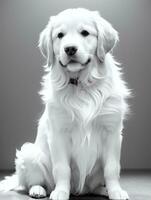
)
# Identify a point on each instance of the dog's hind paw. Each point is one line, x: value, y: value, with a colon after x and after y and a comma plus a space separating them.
x: 37, y: 191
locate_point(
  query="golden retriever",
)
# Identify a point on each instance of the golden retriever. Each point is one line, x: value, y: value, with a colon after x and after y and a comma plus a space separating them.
x: 78, y: 143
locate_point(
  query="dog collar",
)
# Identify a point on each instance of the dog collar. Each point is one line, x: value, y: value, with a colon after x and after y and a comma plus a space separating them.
x: 73, y: 81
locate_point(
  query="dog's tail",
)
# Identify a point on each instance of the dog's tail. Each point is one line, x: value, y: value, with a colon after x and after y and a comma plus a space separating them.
x: 9, y: 183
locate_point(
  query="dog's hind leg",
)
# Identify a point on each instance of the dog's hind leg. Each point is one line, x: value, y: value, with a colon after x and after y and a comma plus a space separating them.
x: 33, y: 170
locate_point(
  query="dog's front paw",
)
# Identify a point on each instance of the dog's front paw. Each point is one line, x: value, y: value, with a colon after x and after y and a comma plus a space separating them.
x: 59, y: 195
x: 118, y: 194
x: 37, y: 191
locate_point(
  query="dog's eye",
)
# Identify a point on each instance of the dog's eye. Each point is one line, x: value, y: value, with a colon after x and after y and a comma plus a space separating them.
x: 85, y: 33
x: 60, y: 35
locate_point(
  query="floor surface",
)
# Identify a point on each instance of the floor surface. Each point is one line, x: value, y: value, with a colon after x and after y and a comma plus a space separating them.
x: 136, y: 183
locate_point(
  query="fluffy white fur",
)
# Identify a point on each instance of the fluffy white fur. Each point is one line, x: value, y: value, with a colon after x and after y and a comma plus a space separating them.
x: 78, y: 144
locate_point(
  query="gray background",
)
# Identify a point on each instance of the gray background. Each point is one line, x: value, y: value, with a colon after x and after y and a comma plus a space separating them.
x: 20, y: 71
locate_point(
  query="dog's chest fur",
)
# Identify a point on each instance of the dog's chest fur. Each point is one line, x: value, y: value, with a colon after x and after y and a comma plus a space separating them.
x: 81, y: 104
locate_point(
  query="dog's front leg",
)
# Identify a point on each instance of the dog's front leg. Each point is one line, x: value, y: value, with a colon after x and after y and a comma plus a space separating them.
x: 111, y: 157
x: 60, y: 155
x: 60, y: 169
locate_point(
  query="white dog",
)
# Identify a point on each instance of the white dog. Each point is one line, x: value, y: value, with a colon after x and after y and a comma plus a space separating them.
x: 78, y: 144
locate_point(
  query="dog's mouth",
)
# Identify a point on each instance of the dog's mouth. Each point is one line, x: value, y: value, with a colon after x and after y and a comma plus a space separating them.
x: 74, y: 65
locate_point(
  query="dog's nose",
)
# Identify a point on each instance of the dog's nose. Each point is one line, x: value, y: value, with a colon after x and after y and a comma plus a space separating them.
x: 71, y: 50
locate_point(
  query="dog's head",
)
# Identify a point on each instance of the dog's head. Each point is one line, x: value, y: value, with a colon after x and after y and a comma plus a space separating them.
x: 75, y: 37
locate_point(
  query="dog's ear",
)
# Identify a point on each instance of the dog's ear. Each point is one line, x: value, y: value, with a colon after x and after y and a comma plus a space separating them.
x: 107, y: 36
x: 45, y: 43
